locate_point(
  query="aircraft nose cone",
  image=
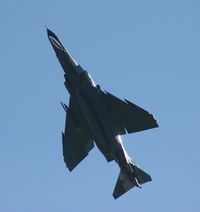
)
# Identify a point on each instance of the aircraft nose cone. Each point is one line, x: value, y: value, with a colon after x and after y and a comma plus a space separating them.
x: 50, y: 33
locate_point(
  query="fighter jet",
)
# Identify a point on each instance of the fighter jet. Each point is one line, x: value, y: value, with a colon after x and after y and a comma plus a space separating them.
x: 96, y: 116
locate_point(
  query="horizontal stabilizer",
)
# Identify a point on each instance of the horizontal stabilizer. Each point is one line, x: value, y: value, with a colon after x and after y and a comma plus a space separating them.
x: 142, y: 177
x: 124, y: 184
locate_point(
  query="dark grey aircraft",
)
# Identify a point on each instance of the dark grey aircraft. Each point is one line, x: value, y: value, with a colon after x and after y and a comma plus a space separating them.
x: 97, y: 116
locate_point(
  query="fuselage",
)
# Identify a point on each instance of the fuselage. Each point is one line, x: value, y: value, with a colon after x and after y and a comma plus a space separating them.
x: 97, y: 114
x: 98, y: 117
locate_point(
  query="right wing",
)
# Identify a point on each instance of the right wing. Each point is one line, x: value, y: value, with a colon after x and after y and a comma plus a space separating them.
x: 127, y: 116
x: 77, y: 139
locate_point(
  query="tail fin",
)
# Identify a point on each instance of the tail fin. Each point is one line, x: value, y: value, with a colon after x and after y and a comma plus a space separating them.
x: 124, y: 184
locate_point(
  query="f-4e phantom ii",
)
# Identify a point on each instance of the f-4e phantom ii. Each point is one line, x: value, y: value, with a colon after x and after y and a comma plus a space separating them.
x: 97, y: 116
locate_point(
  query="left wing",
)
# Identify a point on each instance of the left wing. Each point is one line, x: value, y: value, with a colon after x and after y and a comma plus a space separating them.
x: 77, y: 139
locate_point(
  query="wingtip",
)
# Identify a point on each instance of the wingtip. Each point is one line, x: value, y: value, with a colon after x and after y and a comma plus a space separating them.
x: 156, y: 122
x: 114, y: 196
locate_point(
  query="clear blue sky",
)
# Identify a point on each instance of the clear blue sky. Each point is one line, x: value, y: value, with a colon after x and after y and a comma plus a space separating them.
x: 145, y: 51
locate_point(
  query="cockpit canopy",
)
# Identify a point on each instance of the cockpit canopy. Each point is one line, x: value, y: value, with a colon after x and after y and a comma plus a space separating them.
x: 87, y: 79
